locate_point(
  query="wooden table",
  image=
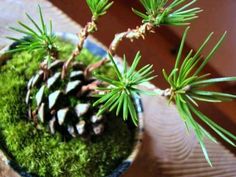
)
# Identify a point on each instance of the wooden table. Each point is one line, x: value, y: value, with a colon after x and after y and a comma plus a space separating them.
x: 167, y: 150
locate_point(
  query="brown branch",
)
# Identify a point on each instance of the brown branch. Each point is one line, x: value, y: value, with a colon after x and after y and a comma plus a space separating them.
x: 51, y: 56
x: 44, y: 67
x: 131, y: 34
x: 85, y: 32
x: 94, y: 66
x: 90, y: 87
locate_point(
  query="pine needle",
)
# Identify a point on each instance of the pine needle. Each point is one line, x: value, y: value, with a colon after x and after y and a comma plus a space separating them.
x: 187, y: 90
x: 121, y: 92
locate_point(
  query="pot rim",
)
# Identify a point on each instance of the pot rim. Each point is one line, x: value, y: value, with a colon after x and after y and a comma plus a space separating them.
x: 98, y: 49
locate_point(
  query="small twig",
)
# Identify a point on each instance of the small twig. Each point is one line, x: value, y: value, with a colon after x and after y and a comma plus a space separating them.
x: 131, y: 34
x: 94, y: 66
x: 44, y: 67
x: 90, y: 87
x: 167, y: 92
x: 88, y: 29
x: 53, y: 53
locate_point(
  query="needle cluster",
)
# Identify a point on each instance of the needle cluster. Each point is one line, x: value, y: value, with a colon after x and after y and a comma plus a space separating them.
x: 188, y: 88
x: 121, y: 91
x: 99, y: 7
x: 159, y: 12
x: 38, y: 37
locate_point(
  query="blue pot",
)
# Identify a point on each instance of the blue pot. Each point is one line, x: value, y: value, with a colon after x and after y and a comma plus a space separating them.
x: 97, y: 50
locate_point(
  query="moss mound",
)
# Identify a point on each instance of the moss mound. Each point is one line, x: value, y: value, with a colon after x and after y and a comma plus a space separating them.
x: 37, y: 151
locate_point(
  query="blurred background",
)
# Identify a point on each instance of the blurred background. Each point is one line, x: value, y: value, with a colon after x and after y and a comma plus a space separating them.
x: 160, y: 48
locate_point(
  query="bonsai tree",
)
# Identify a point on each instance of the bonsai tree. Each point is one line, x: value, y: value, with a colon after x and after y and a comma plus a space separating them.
x: 65, y: 88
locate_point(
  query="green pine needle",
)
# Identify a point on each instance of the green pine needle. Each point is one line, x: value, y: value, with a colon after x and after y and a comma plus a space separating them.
x: 99, y: 7
x: 37, y: 38
x: 160, y: 12
x: 119, y: 94
x: 187, y: 90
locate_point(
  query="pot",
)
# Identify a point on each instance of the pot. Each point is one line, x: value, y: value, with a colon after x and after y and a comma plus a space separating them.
x: 97, y: 50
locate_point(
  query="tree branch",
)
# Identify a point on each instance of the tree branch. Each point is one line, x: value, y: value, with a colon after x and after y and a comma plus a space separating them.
x: 85, y: 32
x: 131, y: 34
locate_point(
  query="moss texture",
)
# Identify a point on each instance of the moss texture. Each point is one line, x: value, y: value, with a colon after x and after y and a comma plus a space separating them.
x: 38, y: 151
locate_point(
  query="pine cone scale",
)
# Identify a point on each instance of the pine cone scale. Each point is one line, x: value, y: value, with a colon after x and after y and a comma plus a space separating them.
x: 64, y: 105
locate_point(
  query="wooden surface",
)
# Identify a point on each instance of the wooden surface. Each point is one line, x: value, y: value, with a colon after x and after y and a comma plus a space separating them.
x: 168, y: 150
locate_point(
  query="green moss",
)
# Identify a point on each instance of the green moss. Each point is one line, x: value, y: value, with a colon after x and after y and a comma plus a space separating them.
x: 37, y: 150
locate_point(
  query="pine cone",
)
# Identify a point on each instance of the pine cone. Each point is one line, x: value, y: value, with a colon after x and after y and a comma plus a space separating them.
x: 64, y: 105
